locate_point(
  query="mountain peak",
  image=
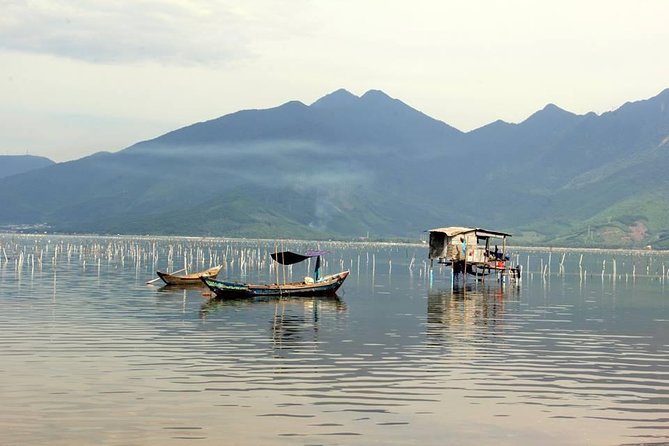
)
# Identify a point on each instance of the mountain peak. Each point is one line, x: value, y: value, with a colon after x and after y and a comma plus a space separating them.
x: 291, y: 105
x: 549, y: 113
x: 375, y: 94
x: 336, y: 99
x: 379, y: 97
x: 497, y: 125
x: 552, y: 108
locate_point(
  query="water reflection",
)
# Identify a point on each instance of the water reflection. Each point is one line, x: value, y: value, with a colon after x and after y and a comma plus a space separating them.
x: 296, y: 320
x: 550, y: 355
x: 473, y: 304
x: 331, y: 303
x: 179, y: 288
x: 562, y: 360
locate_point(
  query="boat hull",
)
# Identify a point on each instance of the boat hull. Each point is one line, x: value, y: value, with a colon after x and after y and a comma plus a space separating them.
x: 189, y: 279
x: 328, y: 286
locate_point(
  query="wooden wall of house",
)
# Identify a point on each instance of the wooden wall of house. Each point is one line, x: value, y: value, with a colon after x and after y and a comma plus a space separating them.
x: 444, y: 247
x: 454, y: 249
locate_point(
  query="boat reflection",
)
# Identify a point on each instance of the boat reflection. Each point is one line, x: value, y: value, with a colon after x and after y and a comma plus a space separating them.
x: 330, y: 303
x: 178, y: 288
x: 471, y: 306
x: 296, y: 320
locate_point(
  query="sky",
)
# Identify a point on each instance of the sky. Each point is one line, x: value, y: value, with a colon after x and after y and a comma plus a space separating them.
x: 82, y: 76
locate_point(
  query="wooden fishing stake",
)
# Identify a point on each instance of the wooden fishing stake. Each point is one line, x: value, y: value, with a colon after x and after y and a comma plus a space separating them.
x: 431, y: 273
x: 541, y: 267
x: 464, y: 271
x: 614, y: 269
x: 276, y: 252
x: 283, y: 265
x: 550, y: 256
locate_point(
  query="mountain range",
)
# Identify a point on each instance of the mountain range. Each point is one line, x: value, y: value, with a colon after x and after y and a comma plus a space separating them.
x: 16, y: 164
x: 348, y: 166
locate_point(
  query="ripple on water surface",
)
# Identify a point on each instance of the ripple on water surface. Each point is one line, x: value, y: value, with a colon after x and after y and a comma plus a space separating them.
x: 91, y: 354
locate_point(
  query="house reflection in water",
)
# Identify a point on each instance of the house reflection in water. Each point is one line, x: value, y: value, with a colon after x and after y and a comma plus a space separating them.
x: 471, y: 309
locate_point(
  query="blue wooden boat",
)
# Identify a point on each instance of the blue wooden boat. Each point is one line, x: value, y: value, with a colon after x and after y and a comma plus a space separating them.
x: 325, y: 286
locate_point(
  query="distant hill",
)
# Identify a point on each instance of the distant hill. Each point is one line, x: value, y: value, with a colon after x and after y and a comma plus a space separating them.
x: 346, y: 166
x: 16, y: 164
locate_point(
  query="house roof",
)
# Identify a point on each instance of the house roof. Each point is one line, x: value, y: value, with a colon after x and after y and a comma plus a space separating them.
x: 452, y: 231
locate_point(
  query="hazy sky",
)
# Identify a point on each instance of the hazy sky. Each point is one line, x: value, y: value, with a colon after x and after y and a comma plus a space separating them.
x: 80, y: 76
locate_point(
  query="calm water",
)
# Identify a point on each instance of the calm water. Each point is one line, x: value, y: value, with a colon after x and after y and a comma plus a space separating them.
x: 90, y: 354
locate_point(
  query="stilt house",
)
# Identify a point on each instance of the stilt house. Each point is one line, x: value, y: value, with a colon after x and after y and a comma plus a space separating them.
x: 471, y: 250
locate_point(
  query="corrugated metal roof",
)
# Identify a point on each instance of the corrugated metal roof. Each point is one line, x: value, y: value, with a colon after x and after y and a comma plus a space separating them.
x: 452, y: 231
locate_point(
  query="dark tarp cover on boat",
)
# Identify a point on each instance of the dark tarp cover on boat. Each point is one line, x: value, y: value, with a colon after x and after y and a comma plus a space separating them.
x: 289, y: 258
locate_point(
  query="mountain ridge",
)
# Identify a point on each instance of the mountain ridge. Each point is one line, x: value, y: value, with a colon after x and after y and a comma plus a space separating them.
x: 17, y: 164
x: 349, y: 165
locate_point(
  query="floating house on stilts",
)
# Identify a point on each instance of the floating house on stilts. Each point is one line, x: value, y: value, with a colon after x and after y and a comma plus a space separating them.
x: 472, y: 251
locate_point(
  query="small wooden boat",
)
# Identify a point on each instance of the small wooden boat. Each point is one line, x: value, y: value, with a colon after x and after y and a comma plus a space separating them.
x: 326, y: 286
x: 189, y: 279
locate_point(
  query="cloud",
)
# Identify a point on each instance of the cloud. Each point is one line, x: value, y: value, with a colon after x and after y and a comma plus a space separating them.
x: 178, y: 32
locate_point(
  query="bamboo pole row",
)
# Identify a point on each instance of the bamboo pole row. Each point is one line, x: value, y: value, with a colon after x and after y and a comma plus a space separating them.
x: 244, y: 259
x: 633, y: 266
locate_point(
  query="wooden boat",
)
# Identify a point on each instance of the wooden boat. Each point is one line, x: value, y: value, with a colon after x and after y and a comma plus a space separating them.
x: 189, y: 279
x: 326, y: 286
